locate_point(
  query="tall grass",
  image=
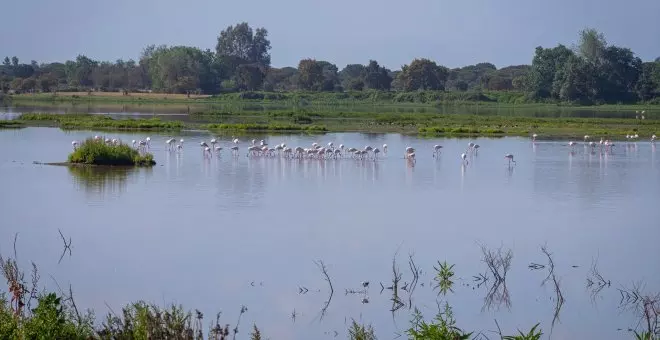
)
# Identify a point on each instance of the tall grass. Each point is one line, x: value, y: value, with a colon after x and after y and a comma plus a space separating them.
x: 97, y: 152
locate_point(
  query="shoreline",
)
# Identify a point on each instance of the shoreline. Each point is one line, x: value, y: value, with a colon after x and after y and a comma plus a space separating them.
x: 421, y: 125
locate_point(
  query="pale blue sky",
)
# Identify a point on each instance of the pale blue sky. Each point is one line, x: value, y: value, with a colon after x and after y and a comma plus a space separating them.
x: 452, y: 32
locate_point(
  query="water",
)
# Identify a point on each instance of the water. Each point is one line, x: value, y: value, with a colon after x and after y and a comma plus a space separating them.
x: 220, y: 233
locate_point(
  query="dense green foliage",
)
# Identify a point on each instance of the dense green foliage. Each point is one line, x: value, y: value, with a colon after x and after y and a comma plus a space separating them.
x: 97, y: 152
x: 592, y: 73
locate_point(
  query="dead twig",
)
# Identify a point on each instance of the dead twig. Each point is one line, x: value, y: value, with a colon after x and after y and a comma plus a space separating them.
x: 324, y: 271
x: 67, y: 246
x: 559, y: 297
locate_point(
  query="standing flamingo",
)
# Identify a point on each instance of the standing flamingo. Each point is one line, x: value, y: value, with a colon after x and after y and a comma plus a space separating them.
x: 234, y: 150
x: 74, y: 144
x: 385, y: 148
x: 534, y: 137
x: 510, y: 158
x: 464, y: 158
x: 376, y: 152
x: 436, y: 150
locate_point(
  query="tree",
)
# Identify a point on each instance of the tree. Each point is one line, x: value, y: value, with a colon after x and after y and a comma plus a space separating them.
x: 241, y: 42
x: 546, y: 63
x: 280, y: 79
x: 423, y: 74
x: 592, y: 45
x: 249, y: 76
x: 14, y: 61
x: 618, y: 74
x: 310, y: 75
x: 6, y: 62
x: 351, y: 77
x: 376, y: 77
x: 180, y: 69
x: 330, y: 76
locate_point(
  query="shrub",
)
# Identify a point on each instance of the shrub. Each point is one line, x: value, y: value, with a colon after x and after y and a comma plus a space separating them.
x: 97, y: 152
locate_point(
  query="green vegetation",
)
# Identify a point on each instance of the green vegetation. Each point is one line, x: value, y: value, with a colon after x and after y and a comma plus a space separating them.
x: 97, y: 122
x: 422, y: 123
x: 239, y: 68
x: 267, y: 127
x: 97, y: 152
x: 11, y: 124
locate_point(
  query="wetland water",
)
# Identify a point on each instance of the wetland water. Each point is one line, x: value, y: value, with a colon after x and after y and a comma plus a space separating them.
x: 215, y: 234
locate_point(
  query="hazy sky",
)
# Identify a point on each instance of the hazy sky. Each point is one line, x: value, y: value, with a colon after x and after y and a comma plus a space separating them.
x: 451, y: 32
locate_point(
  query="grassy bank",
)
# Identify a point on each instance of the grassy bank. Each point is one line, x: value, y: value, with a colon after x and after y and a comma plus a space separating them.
x: 423, y: 124
x: 369, y: 97
x: 96, y: 122
x: 97, y: 152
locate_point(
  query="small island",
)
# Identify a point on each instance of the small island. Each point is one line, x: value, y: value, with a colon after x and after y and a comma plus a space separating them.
x: 98, y: 152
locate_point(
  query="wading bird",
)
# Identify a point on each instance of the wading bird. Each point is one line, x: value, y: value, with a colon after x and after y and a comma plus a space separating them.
x: 510, y: 158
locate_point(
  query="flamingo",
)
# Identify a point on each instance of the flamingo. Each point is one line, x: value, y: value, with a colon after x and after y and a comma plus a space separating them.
x: 133, y: 142
x: 376, y: 152
x: 213, y: 141
x: 436, y: 150
x: 74, y: 144
x: 384, y: 148
x: 262, y: 143
x: 218, y: 149
x: 203, y: 144
x: 534, y: 137
x: 181, y: 141
x: 235, y: 141
x: 470, y: 145
x: 97, y: 137
x: 331, y: 145
x: 179, y: 147
x: 207, y: 150
x: 148, y: 141
x: 411, y: 156
x: 510, y: 158
x: 464, y: 158
x: 653, y: 138
x: 254, y: 141
x: 572, y: 143
x: 586, y: 137
x: 170, y: 143
x: 234, y: 149
x: 476, y: 148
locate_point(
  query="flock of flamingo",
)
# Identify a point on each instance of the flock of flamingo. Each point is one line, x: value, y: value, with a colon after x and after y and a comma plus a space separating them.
x: 316, y: 151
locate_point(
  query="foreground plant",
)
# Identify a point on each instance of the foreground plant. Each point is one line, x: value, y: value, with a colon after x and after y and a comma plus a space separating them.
x: 442, y: 327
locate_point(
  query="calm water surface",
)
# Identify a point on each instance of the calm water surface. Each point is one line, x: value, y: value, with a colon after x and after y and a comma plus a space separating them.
x: 215, y: 234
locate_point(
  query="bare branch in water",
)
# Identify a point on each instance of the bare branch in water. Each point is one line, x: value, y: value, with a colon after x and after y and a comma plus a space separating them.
x: 67, y: 246
x: 324, y: 271
x: 595, y: 281
x: 413, y: 284
x: 15, y: 252
x: 498, y: 263
x: 559, y: 297
x: 645, y: 306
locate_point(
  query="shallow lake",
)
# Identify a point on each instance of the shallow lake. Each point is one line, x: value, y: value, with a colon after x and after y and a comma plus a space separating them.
x: 217, y: 233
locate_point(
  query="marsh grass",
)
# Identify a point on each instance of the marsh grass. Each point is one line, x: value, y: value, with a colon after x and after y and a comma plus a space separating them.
x: 97, y: 152
x: 267, y: 127
x: 99, y: 122
x: 11, y: 124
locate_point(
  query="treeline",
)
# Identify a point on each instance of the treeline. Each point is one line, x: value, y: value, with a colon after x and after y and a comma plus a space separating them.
x: 591, y: 72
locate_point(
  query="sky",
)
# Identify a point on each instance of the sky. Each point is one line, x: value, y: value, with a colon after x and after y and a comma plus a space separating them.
x: 454, y: 33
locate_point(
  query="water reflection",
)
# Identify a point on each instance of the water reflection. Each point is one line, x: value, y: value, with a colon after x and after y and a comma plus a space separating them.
x: 101, y: 181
